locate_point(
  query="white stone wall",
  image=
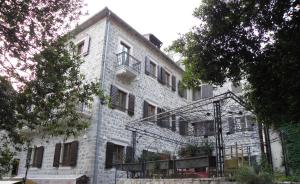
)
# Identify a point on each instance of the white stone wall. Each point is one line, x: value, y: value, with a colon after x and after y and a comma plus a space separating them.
x: 87, y: 141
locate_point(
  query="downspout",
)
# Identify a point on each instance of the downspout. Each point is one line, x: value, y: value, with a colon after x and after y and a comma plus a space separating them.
x: 100, y: 112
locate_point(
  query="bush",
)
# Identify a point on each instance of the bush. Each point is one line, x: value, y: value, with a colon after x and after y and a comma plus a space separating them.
x: 246, y: 175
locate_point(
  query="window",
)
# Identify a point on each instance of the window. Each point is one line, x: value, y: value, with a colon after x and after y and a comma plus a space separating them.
x: 114, y: 155
x: 80, y: 47
x: 15, y: 167
x: 244, y: 123
x: 37, y: 159
x: 125, y: 50
x: 70, y: 151
x: 167, y: 78
x: 121, y: 100
x: 118, y: 154
x: 66, y: 154
x: 152, y: 69
x: 204, y: 128
x: 151, y: 110
x: 197, y: 93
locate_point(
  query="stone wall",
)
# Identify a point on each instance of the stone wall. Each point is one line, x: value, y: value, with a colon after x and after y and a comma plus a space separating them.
x: 87, y: 141
x: 174, y: 181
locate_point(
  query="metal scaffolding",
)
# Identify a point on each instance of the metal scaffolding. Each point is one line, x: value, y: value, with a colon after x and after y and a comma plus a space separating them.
x: 215, y: 109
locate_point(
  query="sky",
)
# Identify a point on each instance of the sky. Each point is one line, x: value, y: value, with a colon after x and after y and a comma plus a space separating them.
x: 163, y: 18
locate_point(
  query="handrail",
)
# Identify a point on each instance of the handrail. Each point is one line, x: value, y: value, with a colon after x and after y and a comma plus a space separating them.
x: 124, y: 58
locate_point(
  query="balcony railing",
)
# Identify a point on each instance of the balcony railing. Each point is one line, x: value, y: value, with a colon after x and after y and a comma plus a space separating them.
x: 125, y: 59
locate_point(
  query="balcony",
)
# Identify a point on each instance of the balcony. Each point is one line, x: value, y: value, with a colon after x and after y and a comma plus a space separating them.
x: 127, y: 66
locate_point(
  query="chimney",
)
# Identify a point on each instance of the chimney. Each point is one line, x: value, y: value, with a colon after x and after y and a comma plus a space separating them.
x: 154, y: 40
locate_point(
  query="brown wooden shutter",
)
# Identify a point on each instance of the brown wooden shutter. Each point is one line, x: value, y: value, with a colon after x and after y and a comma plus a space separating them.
x: 114, y: 91
x: 173, y: 122
x: 182, y: 127
x: 159, y: 74
x: 56, y: 158
x: 129, y: 154
x: 180, y: 90
x: 159, y: 118
x: 147, y: 65
x: 109, y: 155
x: 163, y: 76
x: 231, y: 125
x: 250, y: 122
x: 145, y: 110
x: 131, y: 103
x: 243, y: 123
x: 74, y: 153
x: 40, y: 154
x: 173, y: 83
x: 28, y: 157
x: 86, y: 46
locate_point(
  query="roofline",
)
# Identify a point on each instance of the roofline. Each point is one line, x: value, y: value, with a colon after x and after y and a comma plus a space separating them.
x: 107, y: 12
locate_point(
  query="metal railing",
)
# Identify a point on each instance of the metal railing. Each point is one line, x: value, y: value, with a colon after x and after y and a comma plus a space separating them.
x: 126, y: 59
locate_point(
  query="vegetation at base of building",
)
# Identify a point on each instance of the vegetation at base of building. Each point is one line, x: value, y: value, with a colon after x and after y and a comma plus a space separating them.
x: 247, y: 175
x: 291, y: 141
x: 193, y: 150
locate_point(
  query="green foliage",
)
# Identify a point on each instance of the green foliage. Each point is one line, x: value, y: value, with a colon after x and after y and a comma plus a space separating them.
x: 193, y: 150
x: 291, y: 134
x: 253, y: 40
x: 6, y: 159
x: 26, y: 28
x: 246, y: 175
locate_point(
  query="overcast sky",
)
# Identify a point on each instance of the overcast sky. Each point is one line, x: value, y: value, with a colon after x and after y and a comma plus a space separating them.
x: 164, y: 18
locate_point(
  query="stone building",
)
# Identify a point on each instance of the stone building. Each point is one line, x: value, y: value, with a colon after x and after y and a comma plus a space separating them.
x: 141, y: 80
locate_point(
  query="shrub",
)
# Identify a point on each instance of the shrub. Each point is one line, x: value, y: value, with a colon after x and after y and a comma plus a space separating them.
x: 246, y: 175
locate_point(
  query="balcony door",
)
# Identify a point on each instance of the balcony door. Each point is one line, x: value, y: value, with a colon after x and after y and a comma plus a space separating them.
x: 125, y: 49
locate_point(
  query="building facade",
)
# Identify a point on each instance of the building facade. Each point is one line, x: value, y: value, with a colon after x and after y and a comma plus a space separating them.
x: 142, y: 81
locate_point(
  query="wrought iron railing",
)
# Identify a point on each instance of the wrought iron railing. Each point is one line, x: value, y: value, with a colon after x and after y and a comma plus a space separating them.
x: 126, y: 59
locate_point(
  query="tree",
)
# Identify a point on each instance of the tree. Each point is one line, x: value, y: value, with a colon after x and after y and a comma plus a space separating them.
x: 48, y: 104
x: 253, y: 40
x: 45, y: 72
x: 27, y: 26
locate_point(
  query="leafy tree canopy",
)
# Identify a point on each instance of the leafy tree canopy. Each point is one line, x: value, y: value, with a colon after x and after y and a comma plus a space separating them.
x: 26, y: 26
x: 253, y: 40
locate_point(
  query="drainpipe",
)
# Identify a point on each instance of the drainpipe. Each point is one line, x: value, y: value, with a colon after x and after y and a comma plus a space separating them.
x: 100, y: 111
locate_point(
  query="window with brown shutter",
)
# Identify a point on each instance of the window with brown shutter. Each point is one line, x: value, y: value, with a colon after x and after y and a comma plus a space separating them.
x: 131, y: 103
x: 114, y: 155
x: 182, y: 92
x: 118, y: 98
x: 74, y: 153
x: 159, y: 74
x: 183, y: 127
x: 173, y: 83
x: 66, y: 154
x: 149, y: 110
x: 231, y: 125
x: 159, y: 117
x: 173, y: 122
x: 109, y: 155
x: 114, y: 96
x: 56, y: 158
x: 38, y: 157
x: 70, y: 153
x: 129, y: 154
